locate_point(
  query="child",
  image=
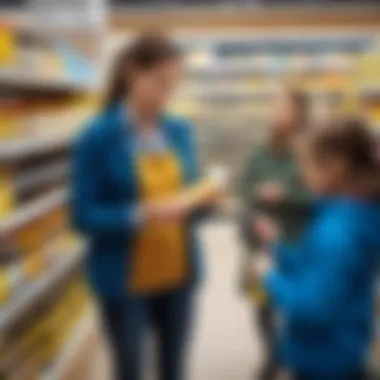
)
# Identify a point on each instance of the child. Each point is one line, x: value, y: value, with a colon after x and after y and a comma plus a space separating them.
x: 324, y: 286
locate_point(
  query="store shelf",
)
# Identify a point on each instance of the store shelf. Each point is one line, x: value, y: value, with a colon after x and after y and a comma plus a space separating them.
x: 243, y: 93
x: 25, y: 81
x: 50, y: 174
x: 271, y: 67
x: 76, y: 344
x: 29, y: 297
x: 373, y: 90
x: 17, y: 150
x: 28, y: 213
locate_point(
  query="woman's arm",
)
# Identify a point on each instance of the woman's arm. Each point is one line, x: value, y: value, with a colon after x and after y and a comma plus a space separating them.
x: 89, y: 214
x: 200, y: 206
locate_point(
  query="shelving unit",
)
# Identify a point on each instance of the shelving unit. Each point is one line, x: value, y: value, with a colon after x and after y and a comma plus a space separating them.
x: 76, y: 350
x: 34, y: 292
x: 231, y: 79
x: 48, y: 89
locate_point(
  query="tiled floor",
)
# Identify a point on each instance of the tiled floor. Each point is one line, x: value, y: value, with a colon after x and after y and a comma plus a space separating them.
x: 225, y: 346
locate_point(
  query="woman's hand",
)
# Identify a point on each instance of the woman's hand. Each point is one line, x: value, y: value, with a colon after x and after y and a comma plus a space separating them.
x: 164, y: 211
x: 265, y: 229
x: 271, y: 192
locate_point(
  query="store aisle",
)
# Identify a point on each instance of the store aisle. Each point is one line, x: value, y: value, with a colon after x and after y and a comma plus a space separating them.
x: 225, y: 346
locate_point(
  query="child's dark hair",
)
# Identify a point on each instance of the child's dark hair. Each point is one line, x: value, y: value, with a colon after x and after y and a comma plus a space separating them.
x: 350, y: 139
x: 146, y: 52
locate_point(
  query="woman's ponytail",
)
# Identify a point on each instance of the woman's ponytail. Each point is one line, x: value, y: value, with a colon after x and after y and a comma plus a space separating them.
x: 146, y: 52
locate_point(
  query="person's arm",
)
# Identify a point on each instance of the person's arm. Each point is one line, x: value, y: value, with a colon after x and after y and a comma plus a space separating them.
x: 297, y: 194
x: 286, y: 256
x: 89, y: 214
x: 316, y: 296
x: 249, y: 177
x: 205, y: 208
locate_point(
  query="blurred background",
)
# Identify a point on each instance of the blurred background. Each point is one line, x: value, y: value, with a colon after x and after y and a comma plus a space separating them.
x: 54, y: 57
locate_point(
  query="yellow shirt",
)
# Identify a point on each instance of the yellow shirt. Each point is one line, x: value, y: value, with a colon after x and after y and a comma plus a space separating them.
x: 159, y: 259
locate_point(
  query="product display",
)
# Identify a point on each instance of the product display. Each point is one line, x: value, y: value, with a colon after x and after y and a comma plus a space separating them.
x: 230, y: 81
x: 33, y: 351
x: 43, y: 295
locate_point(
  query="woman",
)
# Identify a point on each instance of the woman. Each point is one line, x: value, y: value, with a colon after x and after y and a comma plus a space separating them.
x: 130, y: 167
x: 325, y: 285
x: 271, y: 185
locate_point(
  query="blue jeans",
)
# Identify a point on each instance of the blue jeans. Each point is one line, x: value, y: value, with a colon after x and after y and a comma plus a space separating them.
x: 359, y: 375
x: 168, y: 314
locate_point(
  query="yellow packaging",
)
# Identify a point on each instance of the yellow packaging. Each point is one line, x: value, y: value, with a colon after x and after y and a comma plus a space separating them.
x: 200, y: 193
x: 7, y: 200
x: 26, y: 238
x: 35, y: 263
x: 5, y: 289
x: 8, y: 45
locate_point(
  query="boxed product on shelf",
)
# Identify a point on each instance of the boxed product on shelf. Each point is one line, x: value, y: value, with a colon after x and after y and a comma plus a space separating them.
x: 33, y: 346
x: 31, y: 177
x: 7, y: 45
x: 42, y: 295
x: 39, y: 230
x: 11, y: 124
x: 7, y: 196
x: 32, y: 248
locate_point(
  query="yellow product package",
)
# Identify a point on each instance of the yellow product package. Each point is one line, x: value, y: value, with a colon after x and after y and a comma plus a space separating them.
x: 7, y: 196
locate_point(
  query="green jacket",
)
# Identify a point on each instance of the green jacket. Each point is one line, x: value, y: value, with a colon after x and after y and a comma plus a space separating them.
x: 263, y: 165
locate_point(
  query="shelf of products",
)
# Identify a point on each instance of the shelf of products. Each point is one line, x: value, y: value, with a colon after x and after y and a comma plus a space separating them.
x: 33, y: 292
x: 37, y: 62
x: 230, y: 82
x: 36, y: 348
x: 47, y: 91
x: 76, y: 349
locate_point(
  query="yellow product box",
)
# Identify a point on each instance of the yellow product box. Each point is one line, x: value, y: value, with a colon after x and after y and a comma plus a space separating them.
x: 8, y: 45
x: 31, y: 235
x: 35, y: 262
x: 66, y: 243
x: 7, y: 195
x: 10, y: 277
x: 5, y: 288
x: 12, y: 126
x: 31, y: 337
x: 50, y: 346
x: 37, y: 233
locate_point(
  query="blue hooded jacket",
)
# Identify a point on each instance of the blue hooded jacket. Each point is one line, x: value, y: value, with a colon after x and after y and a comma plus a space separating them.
x: 325, y: 290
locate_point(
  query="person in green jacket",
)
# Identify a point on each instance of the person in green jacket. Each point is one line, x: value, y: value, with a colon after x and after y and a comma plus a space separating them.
x: 271, y: 185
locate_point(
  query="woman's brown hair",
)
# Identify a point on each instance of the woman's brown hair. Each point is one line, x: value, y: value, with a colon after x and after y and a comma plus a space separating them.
x: 350, y: 139
x: 144, y: 53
